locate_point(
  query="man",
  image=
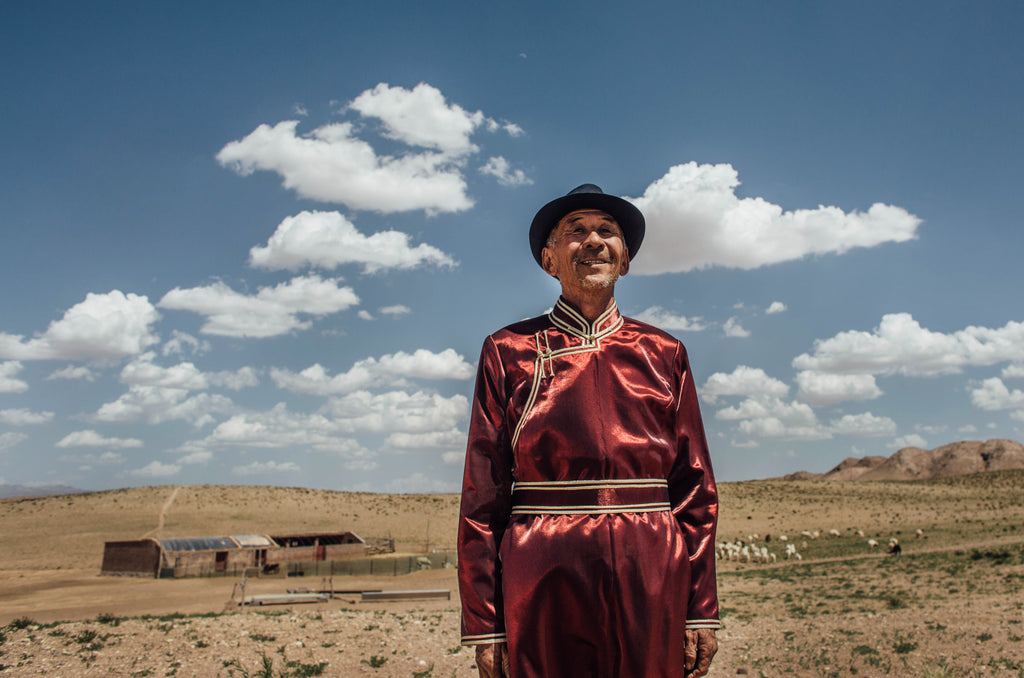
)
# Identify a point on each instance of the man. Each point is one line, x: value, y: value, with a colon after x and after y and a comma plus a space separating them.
x: 587, y: 527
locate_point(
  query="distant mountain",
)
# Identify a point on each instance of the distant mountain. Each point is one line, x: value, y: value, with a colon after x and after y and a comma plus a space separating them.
x: 913, y: 463
x: 7, y: 491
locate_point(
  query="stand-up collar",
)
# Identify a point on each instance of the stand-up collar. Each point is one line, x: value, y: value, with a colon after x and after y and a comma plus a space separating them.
x: 567, y: 318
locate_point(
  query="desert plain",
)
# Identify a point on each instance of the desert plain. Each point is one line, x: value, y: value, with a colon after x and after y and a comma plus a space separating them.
x: 952, y: 604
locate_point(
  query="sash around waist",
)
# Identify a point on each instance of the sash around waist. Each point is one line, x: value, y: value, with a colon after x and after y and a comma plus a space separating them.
x: 579, y: 497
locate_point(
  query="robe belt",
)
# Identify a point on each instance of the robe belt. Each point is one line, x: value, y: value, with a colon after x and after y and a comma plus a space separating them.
x: 582, y: 497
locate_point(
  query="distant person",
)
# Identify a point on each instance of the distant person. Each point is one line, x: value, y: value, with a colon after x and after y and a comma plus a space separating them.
x: 589, y: 507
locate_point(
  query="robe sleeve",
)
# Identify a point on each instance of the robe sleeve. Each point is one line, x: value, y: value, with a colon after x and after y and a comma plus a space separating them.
x: 694, y: 500
x: 486, y: 504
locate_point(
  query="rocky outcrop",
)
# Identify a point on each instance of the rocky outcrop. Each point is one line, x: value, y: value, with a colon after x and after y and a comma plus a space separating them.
x: 914, y: 463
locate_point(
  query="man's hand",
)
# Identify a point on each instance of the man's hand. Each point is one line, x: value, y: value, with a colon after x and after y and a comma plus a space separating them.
x: 492, y: 660
x: 701, y: 646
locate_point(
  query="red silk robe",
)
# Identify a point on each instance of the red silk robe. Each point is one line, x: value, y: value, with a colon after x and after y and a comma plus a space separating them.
x: 587, y: 527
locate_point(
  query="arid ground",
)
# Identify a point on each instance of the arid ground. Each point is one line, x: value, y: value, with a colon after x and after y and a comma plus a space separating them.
x: 951, y: 605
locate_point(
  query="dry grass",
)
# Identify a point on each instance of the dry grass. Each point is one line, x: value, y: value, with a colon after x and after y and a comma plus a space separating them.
x: 952, y: 605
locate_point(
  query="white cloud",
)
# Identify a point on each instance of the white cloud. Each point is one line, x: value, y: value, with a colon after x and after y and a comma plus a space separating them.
x: 776, y: 307
x: 180, y: 342
x: 328, y: 240
x: 71, y: 372
x: 1014, y: 371
x: 743, y: 381
x: 199, y: 457
x: 422, y: 117
x: 8, y: 384
x: 157, y: 404
x: 732, y: 328
x: 866, y: 424
x: 363, y: 314
x: 272, y: 311
x: 10, y: 439
x: 395, y: 310
x: 499, y: 168
x: 912, y: 440
x: 388, y: 370
x: 330, y: 165
x: 821, y: 389
x: 87, y: 461
x: 155, y: 469
x: 666, y: 320
x: 24, y: 417
x: 90, y: 438
x: 993, y: 395
x: 434, y: 440
x: 187, y: 376
x: 265, y: 467
x: 899, y: 345
x: 103, y: 326
x: 696, y: 220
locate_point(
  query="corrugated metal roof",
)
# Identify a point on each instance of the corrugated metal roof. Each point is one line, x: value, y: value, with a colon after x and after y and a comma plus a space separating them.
x: 198, y: 544
x: 253, y: 541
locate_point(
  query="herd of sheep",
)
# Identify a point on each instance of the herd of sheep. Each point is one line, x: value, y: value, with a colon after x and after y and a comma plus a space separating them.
x: 749, y: 551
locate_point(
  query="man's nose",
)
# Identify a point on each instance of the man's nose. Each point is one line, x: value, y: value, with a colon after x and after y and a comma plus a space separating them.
x: 593, y: 239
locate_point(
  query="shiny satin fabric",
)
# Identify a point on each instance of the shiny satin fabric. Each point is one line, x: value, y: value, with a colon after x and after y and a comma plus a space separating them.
x: 607, y: 593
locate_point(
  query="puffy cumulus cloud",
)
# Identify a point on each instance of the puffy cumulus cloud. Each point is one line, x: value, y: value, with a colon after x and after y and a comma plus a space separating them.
x: 186, y: 376
x: 156, y: 469
x: 8, y: 382
x: 865, y: 424
x: 331, y: 165
x: 73, y: 372
x: 158, y: 404
x: 182, y: 342
x: 821, y: 388
x: 743, y: 381
x: 388, y: 370
x: 993, y: 395
x: 258, y: 468
x: 90, y: 438
x: 272, y: 311
x: 422, y: 117
x: 667, y: 320
x: 10, y: 439
x: 899, y: 345
x: 733, y: 328
x: 328, y: 240
x: 696, y: 220
x: 104, y: 326
x: 1015, y: 371
x: 499, y: 168
x: 776, y: 307
x: 24, y: 417
x: 397, y: 412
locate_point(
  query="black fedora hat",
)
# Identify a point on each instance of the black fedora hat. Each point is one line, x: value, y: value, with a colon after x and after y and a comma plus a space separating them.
x: 587, y: 196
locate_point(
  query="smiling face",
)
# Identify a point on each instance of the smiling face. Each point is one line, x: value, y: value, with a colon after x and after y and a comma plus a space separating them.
x: 587, y: 253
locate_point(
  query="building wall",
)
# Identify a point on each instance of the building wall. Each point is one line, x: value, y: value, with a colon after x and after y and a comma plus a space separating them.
x: 140, y: 557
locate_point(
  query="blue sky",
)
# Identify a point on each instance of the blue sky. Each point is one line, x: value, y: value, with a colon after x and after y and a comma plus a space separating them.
x: 262, y: 242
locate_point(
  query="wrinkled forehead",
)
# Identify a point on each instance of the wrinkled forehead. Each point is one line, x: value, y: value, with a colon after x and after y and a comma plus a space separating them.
x: 577, y: 215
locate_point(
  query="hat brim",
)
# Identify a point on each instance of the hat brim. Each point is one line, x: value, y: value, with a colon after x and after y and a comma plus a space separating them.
x: 630, y: 219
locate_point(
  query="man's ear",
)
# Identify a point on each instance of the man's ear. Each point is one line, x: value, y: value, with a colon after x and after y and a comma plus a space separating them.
x: 624, y: 266
x: 547, y: 262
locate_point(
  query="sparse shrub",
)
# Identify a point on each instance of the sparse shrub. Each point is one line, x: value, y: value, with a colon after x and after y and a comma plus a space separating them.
x: 376, y: 661
x: 107, y: 618
x: 903, y: 646
x: 984, y: 637
x: 21, y: 623
x: 261, y: 638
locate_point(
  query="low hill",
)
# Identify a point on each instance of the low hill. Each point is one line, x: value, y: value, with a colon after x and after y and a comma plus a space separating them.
x: 914, y: 463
